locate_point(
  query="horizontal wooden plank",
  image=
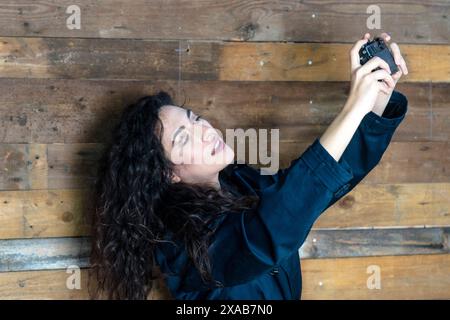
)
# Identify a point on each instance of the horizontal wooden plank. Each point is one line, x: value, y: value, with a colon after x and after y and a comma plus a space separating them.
x: 191, y: 60
x: 52, y: 284
x: 39, y: 166
x: 46, y: 253
x: 371, y: 205
x: 33, y: 214
x: 378, y: 242
x: 317, y: 62
x: 68, y: 166
x: 403, y: 162
x: 60, y: 253
x: 44, y: 213
x: 85, y: 111
x: 41, y: 285
x: 401, y: 277
x: 408, y: 21
x: 66, y: 212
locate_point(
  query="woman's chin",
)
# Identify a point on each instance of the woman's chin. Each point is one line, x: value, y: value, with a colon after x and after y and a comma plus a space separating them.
x: 225, y: 157
x: 229, y: 155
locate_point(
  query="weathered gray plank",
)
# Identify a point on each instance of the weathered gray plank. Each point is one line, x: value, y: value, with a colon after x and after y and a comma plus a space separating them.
x: 59, y: 253
x: 290, y: 20
x: 375, y: 242
x: 46, y: 253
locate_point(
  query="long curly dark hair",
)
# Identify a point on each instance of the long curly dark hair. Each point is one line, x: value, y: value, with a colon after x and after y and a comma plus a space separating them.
x: 136, y: 205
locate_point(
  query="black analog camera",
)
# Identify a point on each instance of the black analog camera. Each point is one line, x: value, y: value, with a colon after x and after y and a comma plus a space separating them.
x: 377, y: 48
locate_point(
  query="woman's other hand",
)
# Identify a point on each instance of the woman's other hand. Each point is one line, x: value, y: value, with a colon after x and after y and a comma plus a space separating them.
x: 365, y: 87
x: 383, y: 98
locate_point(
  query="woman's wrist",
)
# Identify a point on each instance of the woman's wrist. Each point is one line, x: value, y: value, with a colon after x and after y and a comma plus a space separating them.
x: 338, y: 135
x: 354, y: 109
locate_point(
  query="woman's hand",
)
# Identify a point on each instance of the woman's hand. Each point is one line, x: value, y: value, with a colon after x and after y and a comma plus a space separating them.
x: 383, y: 98
x: 365, y: 87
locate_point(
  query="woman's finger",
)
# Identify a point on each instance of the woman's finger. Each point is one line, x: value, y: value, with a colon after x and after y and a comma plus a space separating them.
x: 399, y: 58
x: 396, y: 76
x: 385, y: 37
x: 387, y: 84
x: 396, y: 53
x: 384, y: 88
x: 385, y: 76
x: 354, y: 52
x: 375, y: 63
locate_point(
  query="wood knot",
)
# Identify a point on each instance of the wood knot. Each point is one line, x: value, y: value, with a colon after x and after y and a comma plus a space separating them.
x: 247, y: 31
x: 67, y: 216
x: 347, y: 202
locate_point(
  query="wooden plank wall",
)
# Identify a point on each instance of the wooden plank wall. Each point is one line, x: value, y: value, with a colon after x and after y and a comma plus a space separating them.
x: 277, y: 64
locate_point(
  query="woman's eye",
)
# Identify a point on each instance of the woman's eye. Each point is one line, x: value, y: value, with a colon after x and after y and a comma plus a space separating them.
x: 183, y: 140
x: 198, y: 118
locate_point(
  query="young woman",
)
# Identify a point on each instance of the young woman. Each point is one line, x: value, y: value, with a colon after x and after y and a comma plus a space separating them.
x: 218, y: 230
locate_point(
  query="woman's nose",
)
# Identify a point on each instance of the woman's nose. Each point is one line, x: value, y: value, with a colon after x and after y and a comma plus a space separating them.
x: 209, y: 134
x: 205, y: 133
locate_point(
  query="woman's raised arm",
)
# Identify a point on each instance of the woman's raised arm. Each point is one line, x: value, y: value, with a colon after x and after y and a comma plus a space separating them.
x: 364, y: 93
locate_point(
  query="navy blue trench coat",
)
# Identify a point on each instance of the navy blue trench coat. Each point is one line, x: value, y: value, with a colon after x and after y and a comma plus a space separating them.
x: 254, y: 254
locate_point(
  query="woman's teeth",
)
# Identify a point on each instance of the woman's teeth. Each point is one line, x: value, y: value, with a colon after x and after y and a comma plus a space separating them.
x: 216, y: 146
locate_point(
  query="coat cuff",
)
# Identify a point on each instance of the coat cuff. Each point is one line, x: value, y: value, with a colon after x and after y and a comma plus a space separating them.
x: 393, y: 114
x: 335, y: 175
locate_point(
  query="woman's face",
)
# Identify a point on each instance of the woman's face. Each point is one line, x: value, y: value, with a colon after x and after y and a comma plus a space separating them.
x: 193, y: 145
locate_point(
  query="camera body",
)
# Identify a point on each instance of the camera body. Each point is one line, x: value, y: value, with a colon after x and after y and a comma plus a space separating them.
x: 377, y: 48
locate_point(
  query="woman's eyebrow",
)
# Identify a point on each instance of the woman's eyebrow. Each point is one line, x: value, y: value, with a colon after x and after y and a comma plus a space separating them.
x: 188, y: 114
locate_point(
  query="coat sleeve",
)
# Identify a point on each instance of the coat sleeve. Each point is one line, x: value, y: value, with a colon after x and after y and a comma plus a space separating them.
x: 371, y: 140
x: 249, y: 244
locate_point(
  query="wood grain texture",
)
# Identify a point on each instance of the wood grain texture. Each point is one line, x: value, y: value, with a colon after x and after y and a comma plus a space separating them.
x: 52, y: 284
x: 311, y: 21
x: 257, y: 64
x: 67, y: 212
x: 381, y: 242
x: 41, y: 285
x: 44, y: 213
x: 402, y: 277
x: 42, y: 254
x: 191, y: 60
x: 85, y: 111
x: 51, y: 166
x: 60, y: 253
x: 390, y: 205
x: 402, y: 162
x: 73, y: 166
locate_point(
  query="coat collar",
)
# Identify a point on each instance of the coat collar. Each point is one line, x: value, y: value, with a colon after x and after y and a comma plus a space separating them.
x: 239, y: 178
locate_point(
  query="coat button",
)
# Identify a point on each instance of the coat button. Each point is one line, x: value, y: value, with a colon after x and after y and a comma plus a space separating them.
x: 274, y: 271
